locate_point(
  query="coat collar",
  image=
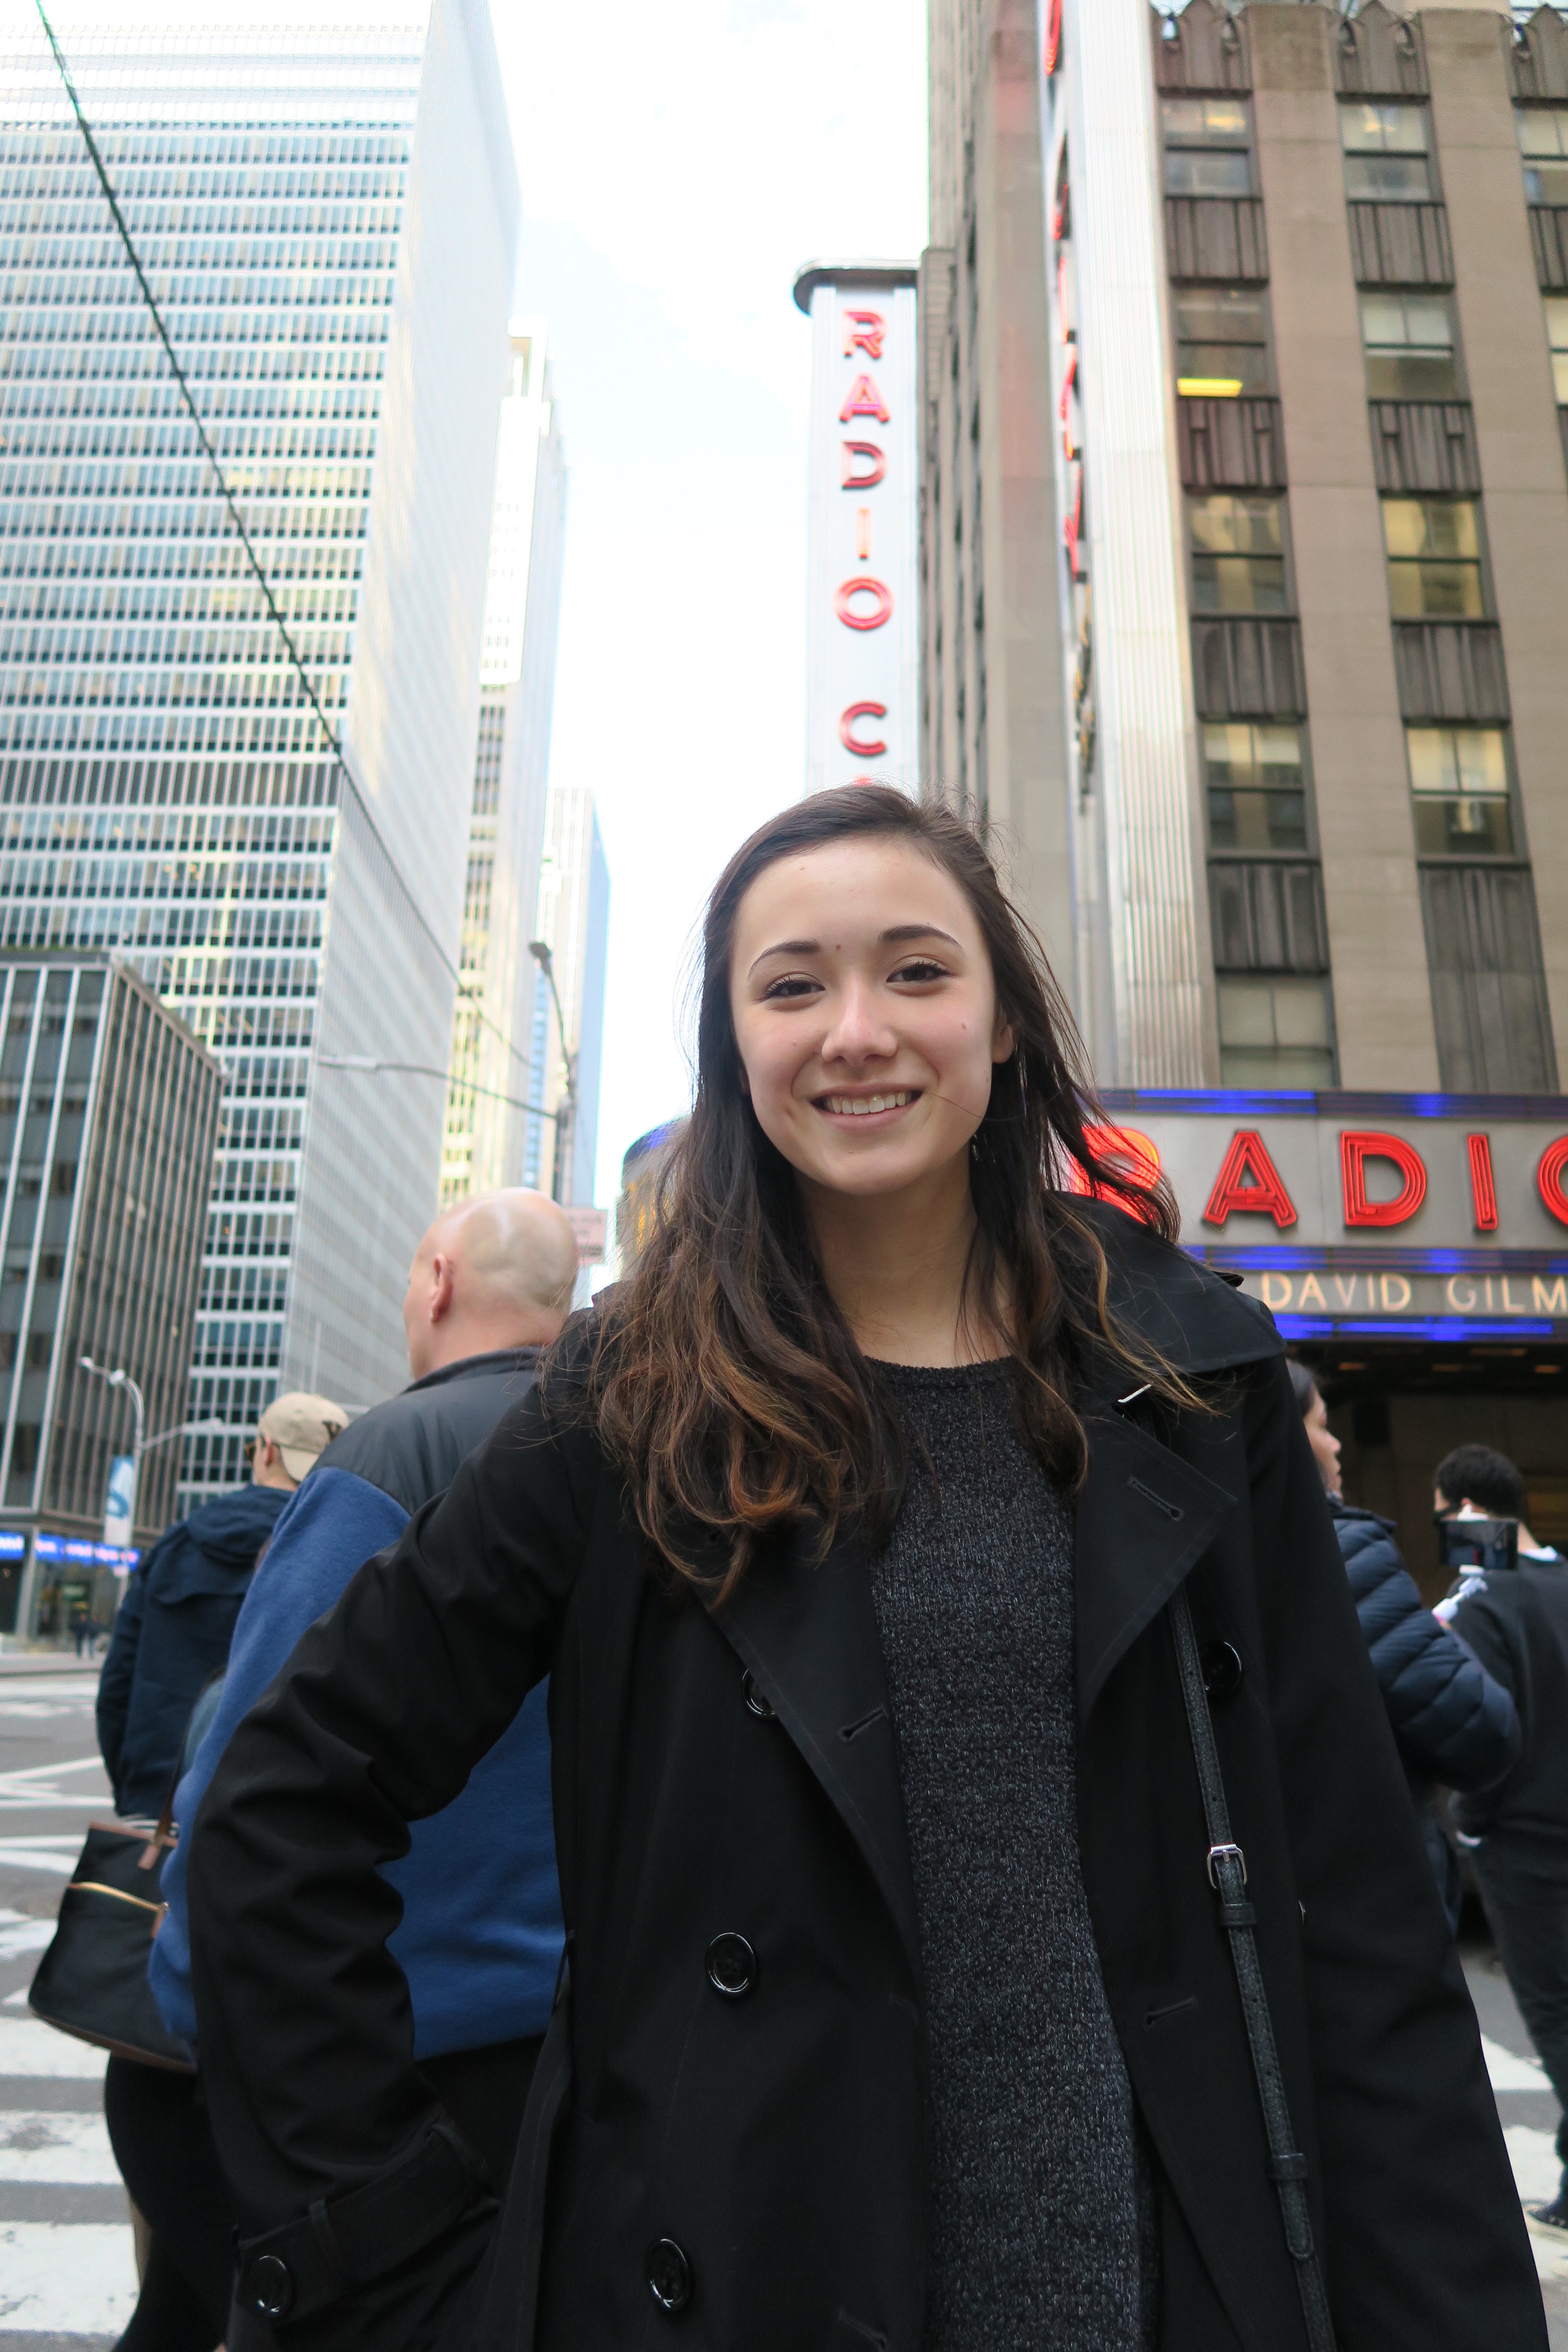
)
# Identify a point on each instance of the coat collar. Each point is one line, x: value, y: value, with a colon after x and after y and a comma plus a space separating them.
x: 807, y: 1633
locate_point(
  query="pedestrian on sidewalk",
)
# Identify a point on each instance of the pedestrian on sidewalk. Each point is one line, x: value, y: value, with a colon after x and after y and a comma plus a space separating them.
x: 1516, y: 1621
x: 880, y: 1535
x: 172, y: 1635
x: 1454, y: 1723
x: 172, y: 1629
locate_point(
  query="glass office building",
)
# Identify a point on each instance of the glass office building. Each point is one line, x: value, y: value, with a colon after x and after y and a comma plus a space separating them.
x: 574, y: 924
x: 108, y: 1112
x: 327, y: 215
x: 493, y: 1071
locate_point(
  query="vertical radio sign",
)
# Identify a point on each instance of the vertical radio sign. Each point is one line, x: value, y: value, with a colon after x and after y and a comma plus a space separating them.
x: 863, y: 618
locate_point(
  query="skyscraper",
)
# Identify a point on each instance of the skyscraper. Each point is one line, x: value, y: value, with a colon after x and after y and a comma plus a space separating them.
x: 574, y: 924
x: 327, y: 216
x: 486, y: 1130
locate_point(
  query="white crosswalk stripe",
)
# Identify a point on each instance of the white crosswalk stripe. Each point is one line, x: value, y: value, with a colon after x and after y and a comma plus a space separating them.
x: 59, y: 2277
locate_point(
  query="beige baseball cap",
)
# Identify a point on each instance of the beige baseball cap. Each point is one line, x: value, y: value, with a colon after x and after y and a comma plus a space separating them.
x: 301, y: 1426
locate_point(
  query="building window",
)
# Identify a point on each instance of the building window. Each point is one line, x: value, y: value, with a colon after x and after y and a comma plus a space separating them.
x: 1410, y: 347
x: 1489, y: 992
x: 1458, y: 777
x: 1276, y: 1031
x: 1543, y: 144
x: 1556, y: 309
x: 1387, y: 153
x: 1206, y: 147
x: 1256, y: 793
x: 1434, y: 558
x: 1222, y: 343
x: 1238, y: 554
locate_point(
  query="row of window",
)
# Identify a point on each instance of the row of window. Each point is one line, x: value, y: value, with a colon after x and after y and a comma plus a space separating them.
x: 129, y: 441
x: 1389, y: 153
x: 1433, y: 546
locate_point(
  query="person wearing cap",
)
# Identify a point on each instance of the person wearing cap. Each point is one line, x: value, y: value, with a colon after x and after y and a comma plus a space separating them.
x: 173, y: 1627
x: 171, y: 1640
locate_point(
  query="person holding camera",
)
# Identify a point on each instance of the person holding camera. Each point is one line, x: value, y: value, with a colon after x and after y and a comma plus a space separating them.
x: 1515, y: 1619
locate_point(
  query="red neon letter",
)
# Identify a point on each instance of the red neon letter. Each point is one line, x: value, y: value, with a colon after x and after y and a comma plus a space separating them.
x: 864, y: 400
x: 1248, y: 1180
x: 847, y: 736
x: 864, y: 332
x: 1053, y: 38
x: 864, y: 586
x: 1127, y: 1150
x: 876, y: 462
x: 1483, y: 1189
x: 1548, y: 1177
x: 1355, y: 1150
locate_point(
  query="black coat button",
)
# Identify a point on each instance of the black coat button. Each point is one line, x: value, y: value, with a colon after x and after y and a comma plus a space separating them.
x: 731, y: 1965
x: 1222, y: 1671
x: 270, y: 2286
x: 754, y: 1699
x: 669, y: 2275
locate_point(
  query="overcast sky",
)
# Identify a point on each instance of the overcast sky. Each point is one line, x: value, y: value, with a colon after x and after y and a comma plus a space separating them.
x: 677, y: 166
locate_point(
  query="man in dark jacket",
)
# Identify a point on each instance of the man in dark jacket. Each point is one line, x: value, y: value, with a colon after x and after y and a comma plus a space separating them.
x: 1517, y: 1623
x: 177, y: 1621
x: 480, y: 1935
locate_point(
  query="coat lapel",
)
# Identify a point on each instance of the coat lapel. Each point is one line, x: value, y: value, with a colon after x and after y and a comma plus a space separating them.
x: 809, y: 1635
x: 1145, y: 1516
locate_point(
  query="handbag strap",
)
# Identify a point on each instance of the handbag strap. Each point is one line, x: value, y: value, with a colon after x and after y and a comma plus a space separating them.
x: 1227, y: 1876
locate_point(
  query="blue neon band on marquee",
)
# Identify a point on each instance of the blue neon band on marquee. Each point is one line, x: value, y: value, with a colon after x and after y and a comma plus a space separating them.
x: 1244, y: 1102
x: 1450, y: 1328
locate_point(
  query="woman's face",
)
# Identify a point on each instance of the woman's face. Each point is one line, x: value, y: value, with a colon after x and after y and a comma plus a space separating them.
x: 1325, y: 1445
x: 865, y: 1013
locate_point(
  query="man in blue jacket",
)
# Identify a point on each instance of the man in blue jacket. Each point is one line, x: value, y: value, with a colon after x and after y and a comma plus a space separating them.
x: 172, y: 1629
x: 481, y: 1931
x: 1456, y: 1724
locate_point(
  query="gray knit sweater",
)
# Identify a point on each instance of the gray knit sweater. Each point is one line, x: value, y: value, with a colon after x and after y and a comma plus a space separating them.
x: 1037, y: 2185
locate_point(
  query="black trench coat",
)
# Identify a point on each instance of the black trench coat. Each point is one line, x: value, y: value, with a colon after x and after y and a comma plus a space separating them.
x: 761, y: 2157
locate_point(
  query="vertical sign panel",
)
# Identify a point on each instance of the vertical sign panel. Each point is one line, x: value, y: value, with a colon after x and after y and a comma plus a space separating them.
x: 863, y: 620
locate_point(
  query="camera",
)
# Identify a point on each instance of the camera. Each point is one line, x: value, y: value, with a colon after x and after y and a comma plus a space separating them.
x: 1466, y: 1546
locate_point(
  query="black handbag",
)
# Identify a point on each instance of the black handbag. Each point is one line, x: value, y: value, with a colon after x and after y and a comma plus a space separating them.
x: 92, y: 1979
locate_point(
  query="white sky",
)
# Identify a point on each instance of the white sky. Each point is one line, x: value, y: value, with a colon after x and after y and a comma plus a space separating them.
x: 677, y: 166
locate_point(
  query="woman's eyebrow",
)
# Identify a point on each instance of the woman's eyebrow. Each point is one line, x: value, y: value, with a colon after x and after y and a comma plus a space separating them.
x: 903, y: 931
x: 787, y: 947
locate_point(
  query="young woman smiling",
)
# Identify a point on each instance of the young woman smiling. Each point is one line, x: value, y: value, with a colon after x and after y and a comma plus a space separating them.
x: 865, y: 1533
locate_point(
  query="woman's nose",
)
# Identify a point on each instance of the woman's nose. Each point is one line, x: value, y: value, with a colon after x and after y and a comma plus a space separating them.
x: 858, y: 1027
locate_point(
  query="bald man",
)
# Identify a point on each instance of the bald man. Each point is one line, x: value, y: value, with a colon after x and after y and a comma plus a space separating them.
x: 480, y: 1935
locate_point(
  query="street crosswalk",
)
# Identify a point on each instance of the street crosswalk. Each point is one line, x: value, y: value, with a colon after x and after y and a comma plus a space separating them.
x: 68, y: 2266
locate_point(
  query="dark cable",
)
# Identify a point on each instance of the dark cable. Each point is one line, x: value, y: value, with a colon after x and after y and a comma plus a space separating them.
x: 464, y: 990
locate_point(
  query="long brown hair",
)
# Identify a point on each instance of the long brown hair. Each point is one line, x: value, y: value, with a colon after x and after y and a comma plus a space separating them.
x: 724, y: 1381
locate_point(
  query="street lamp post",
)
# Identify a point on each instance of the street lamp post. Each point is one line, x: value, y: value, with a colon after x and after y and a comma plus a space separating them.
x: 120, y: 1508
x: 565, y: 1128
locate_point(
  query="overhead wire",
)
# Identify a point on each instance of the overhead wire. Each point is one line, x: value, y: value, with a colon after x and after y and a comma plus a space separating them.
x: 469, y: 993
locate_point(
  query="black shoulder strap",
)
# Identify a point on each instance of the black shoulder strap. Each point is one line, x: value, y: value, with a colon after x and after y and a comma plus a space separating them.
x: 1227, y: 1876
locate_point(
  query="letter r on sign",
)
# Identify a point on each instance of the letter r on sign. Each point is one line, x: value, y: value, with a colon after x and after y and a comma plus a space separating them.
x: 863, y: 331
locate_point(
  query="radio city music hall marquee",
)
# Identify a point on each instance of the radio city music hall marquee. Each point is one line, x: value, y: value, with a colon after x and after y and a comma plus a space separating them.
x: 862, y: 563
x: 1426, y: 1216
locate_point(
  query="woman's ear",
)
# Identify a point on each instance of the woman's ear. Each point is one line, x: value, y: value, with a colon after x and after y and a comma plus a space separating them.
x: 1004, y: 1039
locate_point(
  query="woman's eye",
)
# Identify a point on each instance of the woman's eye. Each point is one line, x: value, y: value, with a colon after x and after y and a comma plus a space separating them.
x: 794, y: 983
x: 922, y: 968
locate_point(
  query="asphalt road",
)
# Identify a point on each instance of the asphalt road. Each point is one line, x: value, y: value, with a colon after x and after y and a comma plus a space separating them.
x: 67, y: 2279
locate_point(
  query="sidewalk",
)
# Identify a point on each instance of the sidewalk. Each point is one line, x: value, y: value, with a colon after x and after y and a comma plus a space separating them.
x: 47, y: 1662
x: 1529, y: 2114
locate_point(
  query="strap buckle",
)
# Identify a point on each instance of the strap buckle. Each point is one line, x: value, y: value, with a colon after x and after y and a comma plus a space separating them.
x: 1226, y: 1852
